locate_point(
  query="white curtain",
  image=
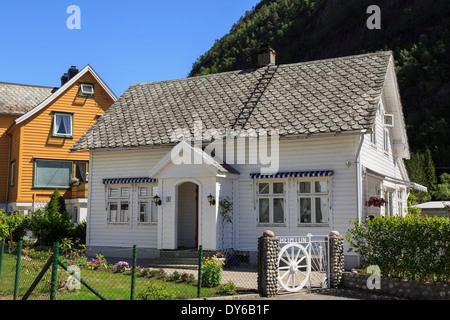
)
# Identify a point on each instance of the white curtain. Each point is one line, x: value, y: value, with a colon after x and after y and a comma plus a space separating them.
x: 63, y: 124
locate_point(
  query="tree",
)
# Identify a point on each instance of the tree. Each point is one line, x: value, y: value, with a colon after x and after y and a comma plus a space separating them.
x: 442, y: 192
x: 429, y: 171
x: 416, y: 171
x: 52, y: 223
x: 13, y: 226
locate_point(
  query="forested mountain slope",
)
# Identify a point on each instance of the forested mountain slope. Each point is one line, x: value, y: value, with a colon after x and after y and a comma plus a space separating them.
x: 417, y: 31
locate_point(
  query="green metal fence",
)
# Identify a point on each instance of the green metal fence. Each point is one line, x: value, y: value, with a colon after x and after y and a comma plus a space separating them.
x: 28, y: 272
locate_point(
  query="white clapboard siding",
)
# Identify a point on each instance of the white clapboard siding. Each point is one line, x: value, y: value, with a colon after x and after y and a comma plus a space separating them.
x: 335, y: 153
x: 118, y: 164
x: 375, y: 157
x: 328, y: 153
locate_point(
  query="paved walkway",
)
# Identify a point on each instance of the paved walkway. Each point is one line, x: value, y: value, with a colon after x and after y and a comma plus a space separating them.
x: 325, y: 294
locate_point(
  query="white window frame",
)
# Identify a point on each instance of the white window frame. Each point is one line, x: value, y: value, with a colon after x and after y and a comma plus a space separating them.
x: 64, y: 114
x: 271, y: 196
x: 152, y: 209
x: 313, y: 195
x: 373, y: 135
x: 84, y: 86
x: 13, y: 169
x: 121, y: 199
x: 388, y: 120
x: 75, y: 213
x: 386, y: 140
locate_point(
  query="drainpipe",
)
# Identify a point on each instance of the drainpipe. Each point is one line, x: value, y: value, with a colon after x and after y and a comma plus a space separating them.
x: 359, y: 184
x: 358, y: 178
x: 9, y: 170
x: 9, y: 163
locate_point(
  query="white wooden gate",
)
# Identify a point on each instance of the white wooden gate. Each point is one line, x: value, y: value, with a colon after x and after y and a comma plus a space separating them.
x: 303, y: 261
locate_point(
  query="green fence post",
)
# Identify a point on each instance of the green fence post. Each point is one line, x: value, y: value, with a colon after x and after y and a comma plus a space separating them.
x: 2, y: 250
x: 133, y: 272
x: 54, y: 280
x: 19, y: 258
x: 199, y: 285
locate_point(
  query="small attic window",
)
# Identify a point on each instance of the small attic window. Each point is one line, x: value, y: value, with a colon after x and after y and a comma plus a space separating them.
x: 86, y: 90
x: 389, y: 120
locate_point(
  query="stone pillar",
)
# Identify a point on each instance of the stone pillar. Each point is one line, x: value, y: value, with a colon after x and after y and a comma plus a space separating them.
x: 268, y: 264
x: 336, y: 242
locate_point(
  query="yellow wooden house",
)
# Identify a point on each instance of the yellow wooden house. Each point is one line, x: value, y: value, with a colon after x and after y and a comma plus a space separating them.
x: 38, y: 125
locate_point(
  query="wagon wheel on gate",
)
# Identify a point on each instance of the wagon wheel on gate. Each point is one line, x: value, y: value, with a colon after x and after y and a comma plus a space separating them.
x: 294, y: 267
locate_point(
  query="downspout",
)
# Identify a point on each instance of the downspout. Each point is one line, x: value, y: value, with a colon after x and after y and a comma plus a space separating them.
x: 9, y: 169
x: 358, y: 178
x: 9, y: 164
x: 359, y: 184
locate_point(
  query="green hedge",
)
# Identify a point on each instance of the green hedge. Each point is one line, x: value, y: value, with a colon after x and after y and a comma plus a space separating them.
x: 412, y: 247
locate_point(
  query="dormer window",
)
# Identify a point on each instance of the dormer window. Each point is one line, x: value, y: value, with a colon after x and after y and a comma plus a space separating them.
x: 86, y: 90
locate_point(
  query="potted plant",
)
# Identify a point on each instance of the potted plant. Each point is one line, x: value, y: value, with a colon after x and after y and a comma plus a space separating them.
x: 376, y: 202
x: 74, y: 182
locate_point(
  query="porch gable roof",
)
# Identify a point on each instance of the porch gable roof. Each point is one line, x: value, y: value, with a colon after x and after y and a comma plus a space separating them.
x: 184, y: 153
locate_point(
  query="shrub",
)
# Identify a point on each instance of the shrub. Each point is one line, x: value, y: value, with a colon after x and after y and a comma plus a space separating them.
x: 412, y: 247
x: 188, y: 277
x: 53, y: 223
x: 78, y: 233
x: 13, y: 225
x: 155, y: 291
x: 175, y: 276
x: 227, y: 288
x: 98, y: 262
x: 121, y: 267
x: 212, y: 271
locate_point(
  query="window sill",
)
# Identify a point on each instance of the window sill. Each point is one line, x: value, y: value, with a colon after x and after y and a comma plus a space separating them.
x: 118, y: 224
x: 324, y: 225
x: 271, y: 225
x: 62, y: 137
x: 147, y: 224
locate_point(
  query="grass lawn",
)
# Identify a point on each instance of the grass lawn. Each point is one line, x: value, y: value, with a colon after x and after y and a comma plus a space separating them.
x: 113, y: 286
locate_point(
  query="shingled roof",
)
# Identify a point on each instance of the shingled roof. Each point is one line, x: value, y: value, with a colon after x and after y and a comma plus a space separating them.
x: 332, y: 95
x: 18, y: 99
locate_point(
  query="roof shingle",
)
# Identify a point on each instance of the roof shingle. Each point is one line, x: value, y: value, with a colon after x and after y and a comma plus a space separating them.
x: 331, y: 95
x: 18, y: 99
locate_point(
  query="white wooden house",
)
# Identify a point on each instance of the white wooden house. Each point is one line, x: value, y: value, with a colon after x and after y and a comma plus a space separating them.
x: 336, y: 138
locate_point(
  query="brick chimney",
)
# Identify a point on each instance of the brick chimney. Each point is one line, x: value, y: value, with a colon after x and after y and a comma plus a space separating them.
x: 266, y: 56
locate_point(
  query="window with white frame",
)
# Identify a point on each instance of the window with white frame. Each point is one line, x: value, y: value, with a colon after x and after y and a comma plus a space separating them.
x: 86, y: 90
x: 118, y: 204
x: 147, y: 207
x: 271, y: 202
x: 386, y: 140
x: 314, y: 202
x: 75, y: 214
x: 373, y: 135
x: 62, y: 124
x: 400, y: 202
x: 389, y: 206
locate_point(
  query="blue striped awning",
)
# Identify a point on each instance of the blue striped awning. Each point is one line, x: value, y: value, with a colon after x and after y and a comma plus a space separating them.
x: 295, y: 174
x: 128, y: 180
x: 419, y: 187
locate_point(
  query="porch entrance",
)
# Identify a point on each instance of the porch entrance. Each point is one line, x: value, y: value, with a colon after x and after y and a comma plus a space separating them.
x: 187, y: 215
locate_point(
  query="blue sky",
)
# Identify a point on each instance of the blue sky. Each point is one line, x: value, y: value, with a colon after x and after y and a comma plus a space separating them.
x: 126, y: 42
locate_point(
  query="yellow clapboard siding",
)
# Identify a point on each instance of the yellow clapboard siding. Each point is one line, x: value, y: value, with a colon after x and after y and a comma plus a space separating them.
x: 5, y: 122
x: 36, y: 139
